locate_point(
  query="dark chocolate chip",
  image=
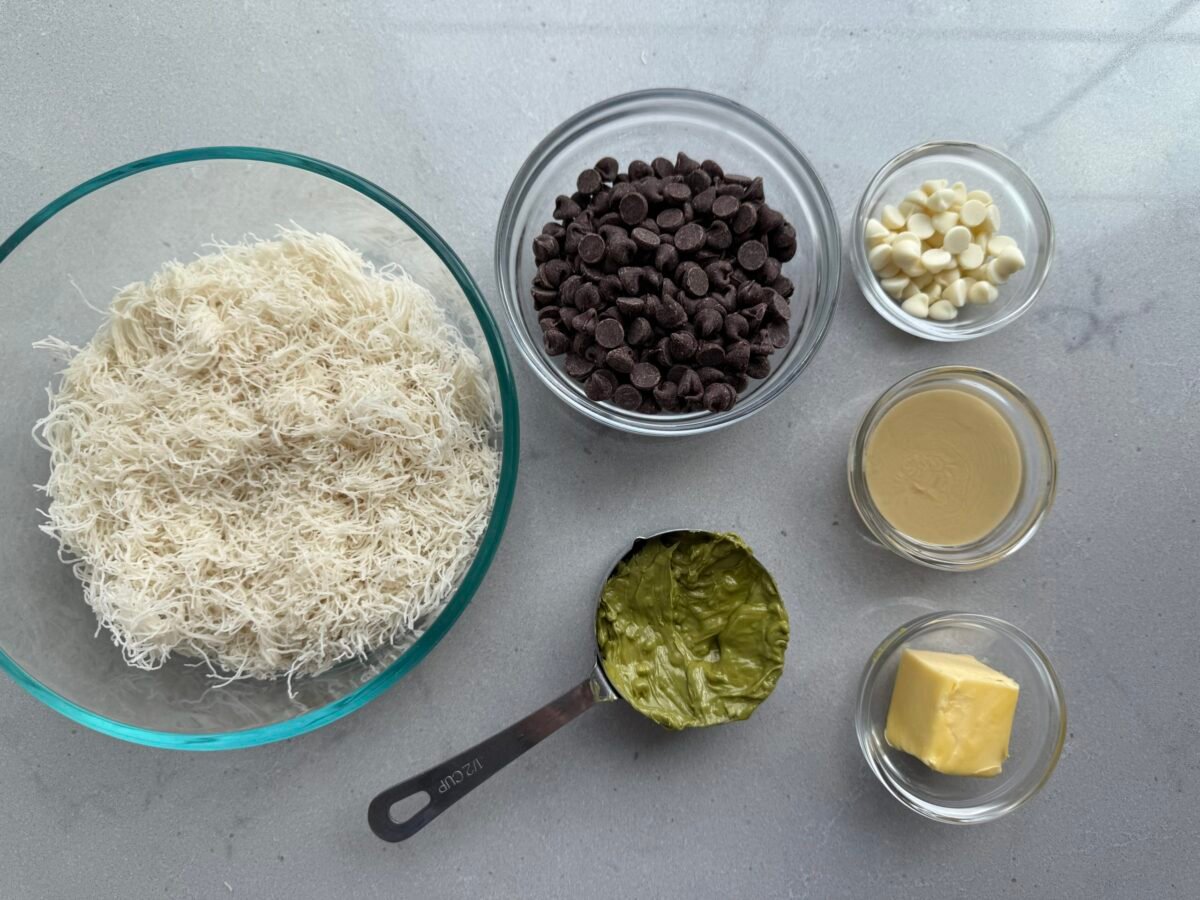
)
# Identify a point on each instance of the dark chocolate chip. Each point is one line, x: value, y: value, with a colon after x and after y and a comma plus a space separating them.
x: 630, y: 278
x: 712, y: 168
x: 724, y: 206
x: 778, y: 308
x: 682, y: 346
x: 754, y: 190
x: 666, y: 394
x: 670, y: 314
x: 633, y: 208
x: 670, y: 219
x: 736, y: 326
x: 595, y: 354
x: 710, y: 353
x: 555, y: 230
x: 639, y: 168
x: 638, y: 332
x: 690, y: 237
x: 645, y: 376
x: 684, y: 164
x: 719, y: 397
x: 708, y: 322
x: 555, y: 342
x: 759, y: 367
x: 676, y: 372
x: 589, y: 181
x: 586, y: 322
x: 754, y: 315
x: 587, y: 296
x: 610, y: 333
x: 783, y: 286
x: 769, y: 219
x: 544, y: 296
x: 702, y: 202
x: 627, y: 397
x: 630, y: 307
x: 650, y: 188
x: 578, y: 366
x: 710, y: 374
x: 690, y: 386
x: 662, y: 166
x: 737, y: 356
x: 718, y: 236
x: 780, y: 333
x: 565, y: 208
x: 608, y: 167
x: 600, y: 385
x: 620, y: 360
x: 677, y: 194
x: 554, y: 271
x: 695, y: 282
x: 645, y: 238
x: 698, y: 180
x: 591, y: 248
x: 544, y: 247
x: 751, y: 255
x: 739, y: 382
x: 744, y: 219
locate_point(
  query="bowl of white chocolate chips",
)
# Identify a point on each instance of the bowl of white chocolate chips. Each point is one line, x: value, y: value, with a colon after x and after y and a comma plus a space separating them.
x: 951, y: 241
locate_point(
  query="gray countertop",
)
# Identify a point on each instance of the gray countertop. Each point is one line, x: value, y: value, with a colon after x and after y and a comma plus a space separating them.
x: 1098, y: 100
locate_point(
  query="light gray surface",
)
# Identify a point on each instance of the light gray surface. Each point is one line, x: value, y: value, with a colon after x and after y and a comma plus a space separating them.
x: 440, y: 104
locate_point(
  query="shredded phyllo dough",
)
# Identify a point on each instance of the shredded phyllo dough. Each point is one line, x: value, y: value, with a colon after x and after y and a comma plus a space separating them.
x: 273, y: 459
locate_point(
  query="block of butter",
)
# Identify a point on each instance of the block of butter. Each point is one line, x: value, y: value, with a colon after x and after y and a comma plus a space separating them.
x: 952, y: 712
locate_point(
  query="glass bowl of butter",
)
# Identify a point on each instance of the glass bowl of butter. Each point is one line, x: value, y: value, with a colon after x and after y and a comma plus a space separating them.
x: 977, y: 708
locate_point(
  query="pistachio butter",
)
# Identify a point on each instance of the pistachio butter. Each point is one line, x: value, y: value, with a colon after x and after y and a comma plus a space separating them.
x: 691, y: 630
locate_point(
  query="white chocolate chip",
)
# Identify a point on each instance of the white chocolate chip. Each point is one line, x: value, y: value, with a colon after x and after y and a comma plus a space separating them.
x: 905, y: 253
x: 994, y: 274
x: 923, y: 281
x: 909, y: 291
x: 894, y: 286
x: 947, y: 276
x: 934, y: 291
x: 916, y: 305
x: 944, y: 221
x: 889, y: 271
x: 917, y: 198
x: 998, y: 242
x: 982, y: 292
x: 993, y: 217
x: 1009, y: 262
x: 907, y: 208
x: 982, y: 196
x: 934, y: 242
x: 971, y: 257
x: 876, y: 231
x: 972, y: 214
x: 920, y: 225
x: 957, y: 238
x: 960, y: 193
x: 943, y: 311
x: 936, y: 260
x: 879, y: 257
x: 934, y: 184
x: 941, y: 200
x: 915, y: 270
x: 956, y: 293
x: 892, y: 218
x: 907, y: 236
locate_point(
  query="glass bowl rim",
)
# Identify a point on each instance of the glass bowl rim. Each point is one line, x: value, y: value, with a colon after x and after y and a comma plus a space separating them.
x: 890, y: 311
x: 488, y: 544
x: 905, y: 547
x: 541, y: 156
x: 896, y: 639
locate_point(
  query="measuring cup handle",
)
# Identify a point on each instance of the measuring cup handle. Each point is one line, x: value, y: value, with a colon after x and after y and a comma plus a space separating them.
x: 449, y: 782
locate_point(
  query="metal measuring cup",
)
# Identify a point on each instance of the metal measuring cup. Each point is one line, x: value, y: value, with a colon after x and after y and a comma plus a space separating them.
x: 450, y: 781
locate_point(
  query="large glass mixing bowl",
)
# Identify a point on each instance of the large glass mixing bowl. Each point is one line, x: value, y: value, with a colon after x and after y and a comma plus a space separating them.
x: 71, y: 256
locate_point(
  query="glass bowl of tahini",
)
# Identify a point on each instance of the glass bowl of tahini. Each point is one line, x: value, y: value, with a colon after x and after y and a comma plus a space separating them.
x: 952, y: 467
x: 58, y: 273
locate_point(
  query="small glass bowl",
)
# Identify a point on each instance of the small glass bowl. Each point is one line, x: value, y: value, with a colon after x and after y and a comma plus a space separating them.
x: 661, y: 122
x: 1024, y: 217
x: 1039, y: 463
x: 1039, y: 727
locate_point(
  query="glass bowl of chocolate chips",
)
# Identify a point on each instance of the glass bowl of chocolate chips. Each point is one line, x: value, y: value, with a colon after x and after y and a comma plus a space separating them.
x: 669, y: 262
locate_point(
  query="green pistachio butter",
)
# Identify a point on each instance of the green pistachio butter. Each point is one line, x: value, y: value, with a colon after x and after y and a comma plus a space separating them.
x: 691, y: 630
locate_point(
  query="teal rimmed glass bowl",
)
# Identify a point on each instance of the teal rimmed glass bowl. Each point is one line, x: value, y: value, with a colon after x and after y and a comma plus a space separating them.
x: 66, y: 262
